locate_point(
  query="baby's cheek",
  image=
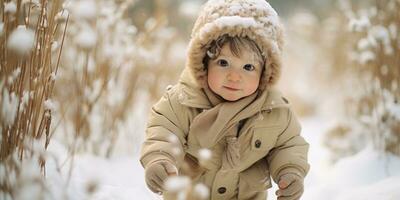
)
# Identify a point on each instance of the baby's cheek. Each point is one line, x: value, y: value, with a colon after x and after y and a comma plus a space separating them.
x: 252, y: 85
x: 213, y: 80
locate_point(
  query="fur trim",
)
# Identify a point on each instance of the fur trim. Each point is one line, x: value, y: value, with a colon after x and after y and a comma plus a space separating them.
x: 255, y: 19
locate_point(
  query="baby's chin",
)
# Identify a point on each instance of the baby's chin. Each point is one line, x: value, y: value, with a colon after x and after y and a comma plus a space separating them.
x: 231, y: 98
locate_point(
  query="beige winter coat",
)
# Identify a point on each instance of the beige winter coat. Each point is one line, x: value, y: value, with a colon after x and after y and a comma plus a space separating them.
x: 269, y: 141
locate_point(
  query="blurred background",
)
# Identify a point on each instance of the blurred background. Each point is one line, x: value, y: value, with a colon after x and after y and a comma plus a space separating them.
x: 78, y: 78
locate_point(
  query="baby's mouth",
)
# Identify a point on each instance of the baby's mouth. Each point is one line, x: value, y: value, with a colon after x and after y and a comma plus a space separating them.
x: 231, y: 88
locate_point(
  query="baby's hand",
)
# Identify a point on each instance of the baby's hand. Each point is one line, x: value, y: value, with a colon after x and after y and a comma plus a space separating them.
x: 290, y: 187
x: 156, y: 174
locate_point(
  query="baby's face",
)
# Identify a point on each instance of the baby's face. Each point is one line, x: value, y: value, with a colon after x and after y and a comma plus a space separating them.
x: 233, y: 77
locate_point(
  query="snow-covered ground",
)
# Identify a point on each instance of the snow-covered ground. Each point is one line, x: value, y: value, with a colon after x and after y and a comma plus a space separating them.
x: 366, y: 175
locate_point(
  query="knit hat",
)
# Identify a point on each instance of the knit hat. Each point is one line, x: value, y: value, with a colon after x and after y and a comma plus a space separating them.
x: 255, y: 19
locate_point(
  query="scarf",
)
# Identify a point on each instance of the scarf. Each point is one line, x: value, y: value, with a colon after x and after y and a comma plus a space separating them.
x: 222, y: 120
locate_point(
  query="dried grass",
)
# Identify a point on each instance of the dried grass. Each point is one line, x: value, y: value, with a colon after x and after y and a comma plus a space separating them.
x: 26, y: 83
x: 372, y: 104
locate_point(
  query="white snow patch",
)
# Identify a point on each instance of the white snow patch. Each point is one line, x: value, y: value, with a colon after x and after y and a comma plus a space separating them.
x: 9, y: 107
x: 361, y: 24
x: 24, y: 100
x: 264, y: 5
x: 49, y: 105
x: 384, y: 70
x: 230, y: 21
x: 34, y: 2
x: 91, y: 93
x: 189, y: 8
x: 363, y: 44
x: 177, y: 183
x: 393, y: 31
x: 14, y: 76
x: 54, y: 46
x: 10, y: 7
x: 205, y: 154
x: 86, y: 10
x: 176, y: 151
x: 53, y: 76
x: 366, y: 56
x: 173, y: 139
x: 62, y: 16
x: 387, y: 189
x: 21, y: 40
x: 201, y: 190
x: 1, y: 28
x: 368, y: 170
x: 86, y: 38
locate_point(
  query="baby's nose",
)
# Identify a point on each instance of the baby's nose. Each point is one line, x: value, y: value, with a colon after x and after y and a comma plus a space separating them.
x: 234, y: 76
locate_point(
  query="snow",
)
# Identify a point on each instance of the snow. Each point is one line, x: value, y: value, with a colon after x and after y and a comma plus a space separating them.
x: 189, y: 8
x: 1, y: 28
x: 92, y: 93
x: 230, y: 21
x: 366, y: 56
x: 205, y: 154
x: 264, y: 5
x: 386, y: 189
x: 10, y: 7
x: 363, y: 44
x: 14, y: 76
x: 24, y: 99
x: 86, y: 38
x: 177, y: 183
x: 131, y: 29
x: 53, y: 76
x: 86, y: 10
x: 235, y: 9
x: 201, y: 190
x: 392, y: 30
x: 121, y: 177
x: 173, y: 139
x: 21, y: 40
x: 150, y: 23
x: 62, y: 16
x: 350, y: 176
x: 383, y: 35
x: 366, y: 171
x: 49, y: 105
x: 9, y: 106
x: 368, y: 175
x: 54, y: 46
x: 360, y: 24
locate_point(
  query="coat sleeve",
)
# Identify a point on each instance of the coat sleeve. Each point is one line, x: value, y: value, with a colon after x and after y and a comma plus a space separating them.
x: 290, y: 152
x: 166, y: 130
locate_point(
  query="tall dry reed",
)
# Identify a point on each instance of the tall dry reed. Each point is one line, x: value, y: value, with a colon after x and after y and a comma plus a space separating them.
x: 372, y: 78
x: 108, y: 66
x: 31, y: 40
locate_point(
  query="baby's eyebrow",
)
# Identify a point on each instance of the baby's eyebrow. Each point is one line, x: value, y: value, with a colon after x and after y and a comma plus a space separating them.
x: 221, y: 54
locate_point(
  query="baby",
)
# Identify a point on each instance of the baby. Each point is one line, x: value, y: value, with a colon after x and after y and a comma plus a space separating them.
x: 225, y: 102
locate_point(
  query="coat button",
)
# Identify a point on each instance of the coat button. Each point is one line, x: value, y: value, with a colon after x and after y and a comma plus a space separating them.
x: 257, y: 143
x: 221, y: 190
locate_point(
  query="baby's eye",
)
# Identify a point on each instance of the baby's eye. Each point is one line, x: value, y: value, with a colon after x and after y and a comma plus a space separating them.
x: 222, y: 62
x: 249, y: 67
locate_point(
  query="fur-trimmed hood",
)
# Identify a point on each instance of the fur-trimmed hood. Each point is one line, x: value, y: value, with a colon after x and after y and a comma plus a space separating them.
x: 255, y: 19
